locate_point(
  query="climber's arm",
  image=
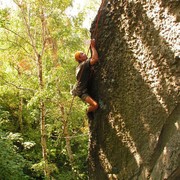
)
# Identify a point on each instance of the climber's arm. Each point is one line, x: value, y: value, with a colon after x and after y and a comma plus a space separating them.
x: 94, y: 57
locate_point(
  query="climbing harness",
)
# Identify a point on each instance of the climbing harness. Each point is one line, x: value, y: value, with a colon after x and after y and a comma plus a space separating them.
x: 94, y: 35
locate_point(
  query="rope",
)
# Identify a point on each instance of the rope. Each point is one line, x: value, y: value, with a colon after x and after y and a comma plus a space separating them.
x: 71, y: 137
x: 70, y: 106
x: 97, y: 22
x: 98, y: 18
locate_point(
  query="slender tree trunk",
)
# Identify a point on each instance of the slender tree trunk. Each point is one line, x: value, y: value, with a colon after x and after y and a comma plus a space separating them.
x: 20, y: 121
x: 26, y: 14
x: 55, y: 52
x: 20, y: 113
x: 54, y: 49
x: 42, y: 121
x: 43, y: 141
x: 66, y: 134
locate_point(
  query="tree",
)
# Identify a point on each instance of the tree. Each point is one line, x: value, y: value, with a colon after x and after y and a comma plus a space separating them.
x: 11, y: 164
x: 37, y: 44
x: 135, y: 132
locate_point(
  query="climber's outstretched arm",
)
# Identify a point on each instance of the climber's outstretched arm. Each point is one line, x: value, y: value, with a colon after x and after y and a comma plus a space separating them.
x: 94, y: 57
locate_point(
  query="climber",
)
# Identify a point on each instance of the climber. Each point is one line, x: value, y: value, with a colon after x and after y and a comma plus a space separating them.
x: 83, y: 76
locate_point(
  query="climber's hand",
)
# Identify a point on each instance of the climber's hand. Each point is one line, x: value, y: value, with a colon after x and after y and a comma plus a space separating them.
x: 93, y: 43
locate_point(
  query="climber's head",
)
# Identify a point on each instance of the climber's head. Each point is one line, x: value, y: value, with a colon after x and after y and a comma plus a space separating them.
x: 80, y: 56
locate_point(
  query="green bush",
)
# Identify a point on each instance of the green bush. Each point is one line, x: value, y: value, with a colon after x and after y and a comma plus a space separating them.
x: 11, y: 163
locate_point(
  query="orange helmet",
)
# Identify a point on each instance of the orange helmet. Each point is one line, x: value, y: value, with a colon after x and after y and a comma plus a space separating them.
x: 77, y: 55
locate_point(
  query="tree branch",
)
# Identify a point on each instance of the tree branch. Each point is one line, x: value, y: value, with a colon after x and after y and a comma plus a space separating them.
x: 18, y: 87
x: 16, y: 34
x: 28, y: 27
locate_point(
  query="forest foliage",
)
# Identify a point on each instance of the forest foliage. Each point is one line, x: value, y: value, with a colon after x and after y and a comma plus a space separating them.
x: 39, y: 138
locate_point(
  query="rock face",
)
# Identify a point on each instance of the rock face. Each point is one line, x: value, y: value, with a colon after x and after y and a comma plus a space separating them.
x: 136, y: 131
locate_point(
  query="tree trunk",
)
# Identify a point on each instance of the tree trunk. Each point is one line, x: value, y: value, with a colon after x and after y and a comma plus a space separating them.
x: 20, y: 113
x: 135, y: 133
x: 67, y: 136
x: 42, y: 121
x: 20, y: 109
x: 54, y: 49
x: 38, y: 52
x: 43, y: 141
